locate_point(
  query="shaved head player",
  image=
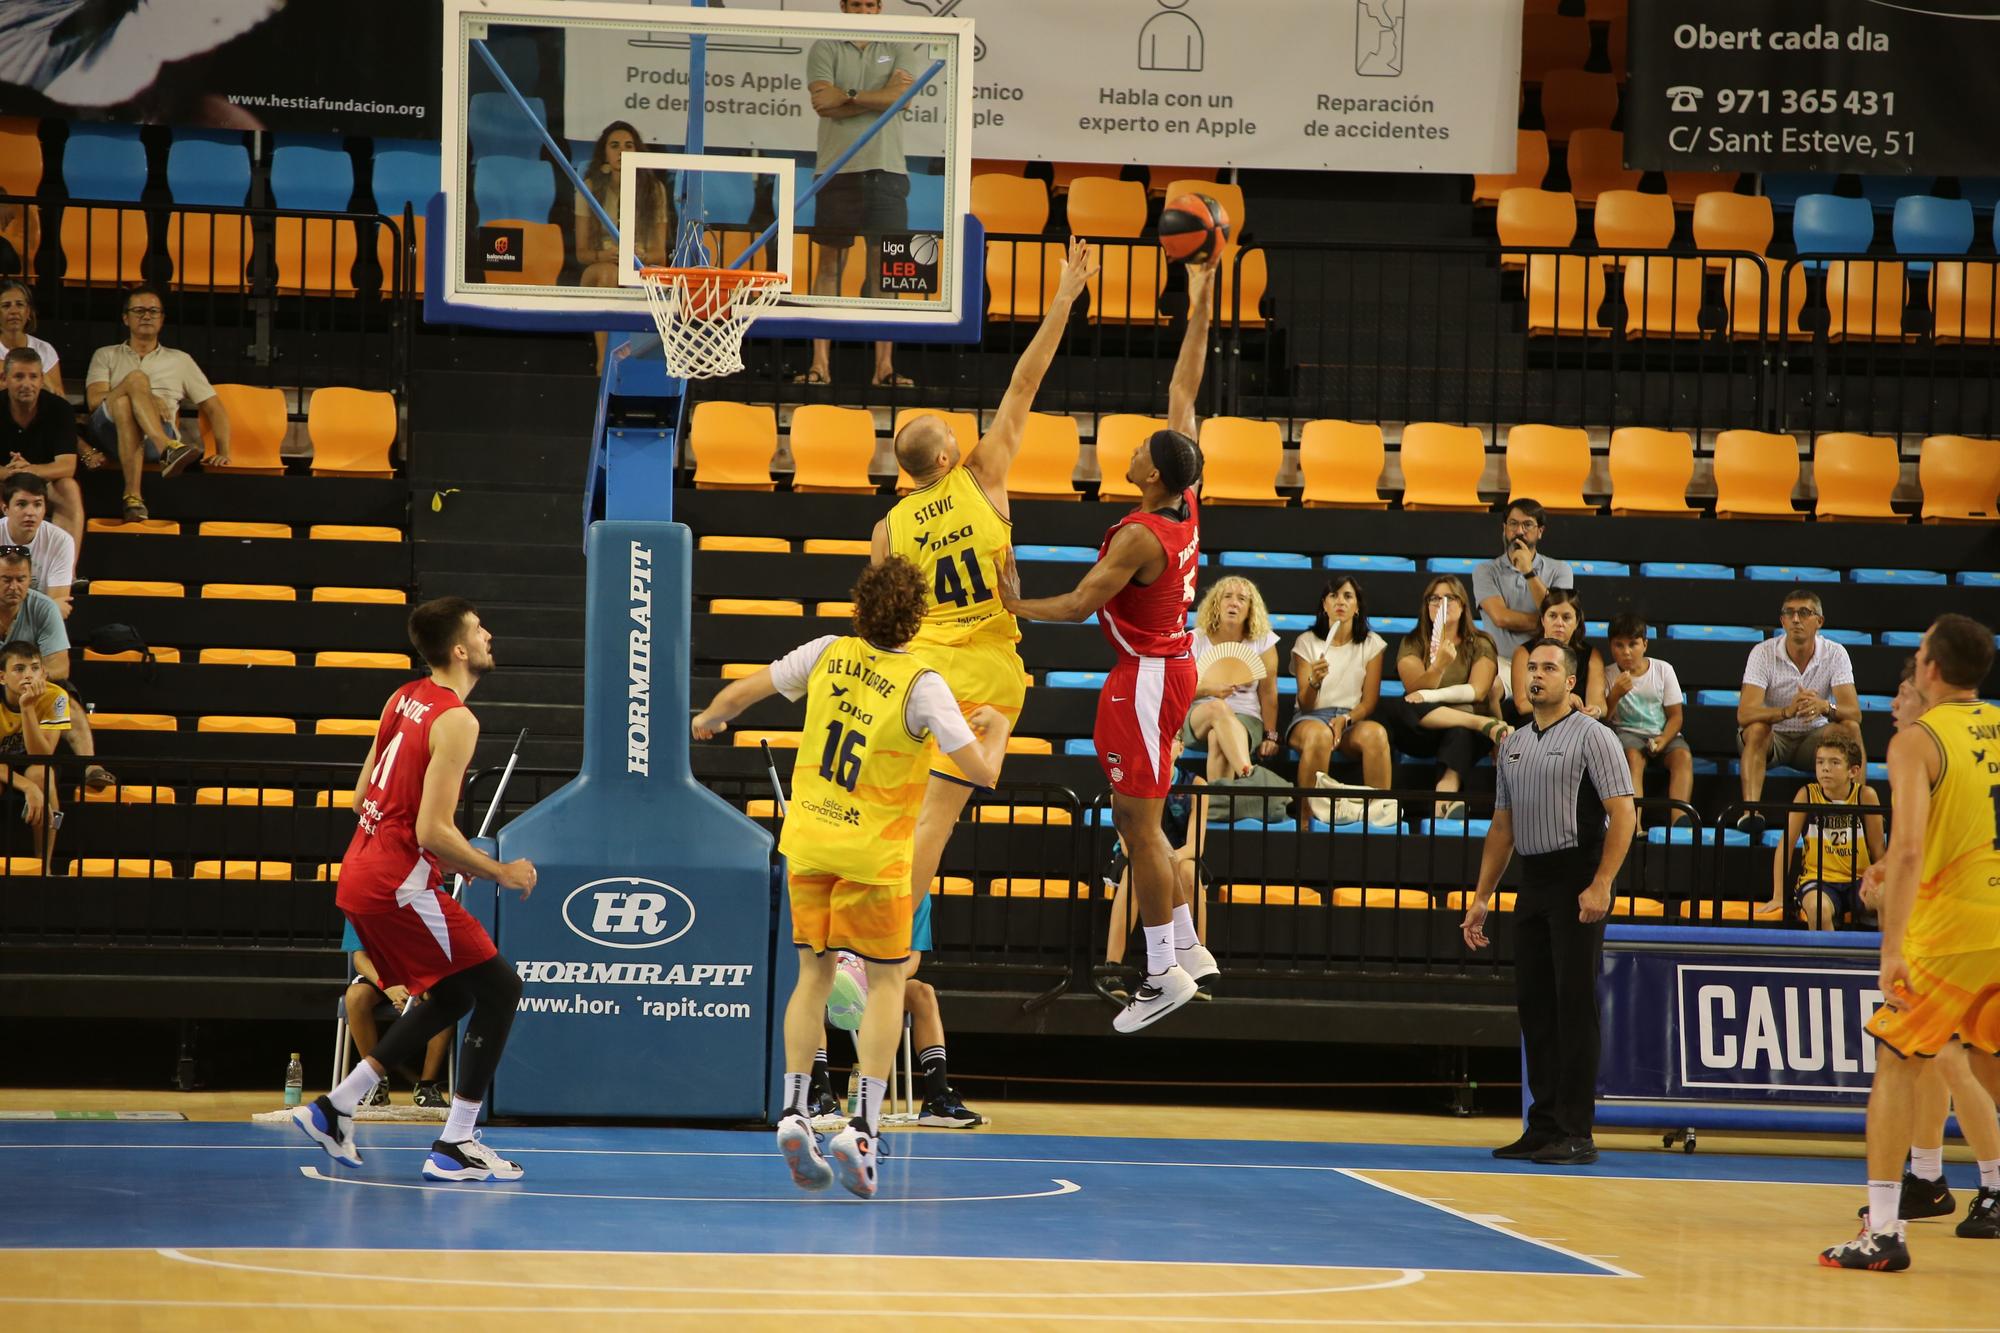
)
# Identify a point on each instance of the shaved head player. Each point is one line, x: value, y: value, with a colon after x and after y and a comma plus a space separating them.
x: 1143, y: 585
x: 416, y: 934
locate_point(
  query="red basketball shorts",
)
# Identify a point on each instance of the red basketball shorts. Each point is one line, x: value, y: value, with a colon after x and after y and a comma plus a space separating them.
x: 1144, y: 703
x: 417, y: 946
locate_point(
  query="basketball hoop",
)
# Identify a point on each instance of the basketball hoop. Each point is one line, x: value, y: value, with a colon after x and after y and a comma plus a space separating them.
x: 702, y: 314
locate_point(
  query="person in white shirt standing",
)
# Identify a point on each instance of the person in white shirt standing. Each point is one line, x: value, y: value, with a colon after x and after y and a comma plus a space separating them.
x: 1793, y: 685
x: 23, y: 522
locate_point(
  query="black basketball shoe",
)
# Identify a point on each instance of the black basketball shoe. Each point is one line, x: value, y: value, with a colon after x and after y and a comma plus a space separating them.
x: 1920, y: 1199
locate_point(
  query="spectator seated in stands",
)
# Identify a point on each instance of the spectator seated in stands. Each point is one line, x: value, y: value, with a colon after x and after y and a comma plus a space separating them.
x: 1447, y: 668
x: 371, y: 1008
x: 1826, y: 878
x: 1182, y: 816
x: 1646, y: 710
x: 1234, y: 721
x: 17, y: 331
x: 33, y: 713
x: 1562, y: 620
x: 596, y: 248
x: 135, y: 390
x: 1794, y: 685
x: 28, y: 615
x: 24, y: 508
x: 1338, y: 663
x: 1510, y: 587
x: 38, y: 435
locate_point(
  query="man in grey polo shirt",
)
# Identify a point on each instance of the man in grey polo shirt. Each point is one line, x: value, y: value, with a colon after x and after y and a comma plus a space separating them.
x: 1509, y: 588
x: 1794, y: 686
x: 135, y: 389
x: 1563, y: 800
x: 851, y: 83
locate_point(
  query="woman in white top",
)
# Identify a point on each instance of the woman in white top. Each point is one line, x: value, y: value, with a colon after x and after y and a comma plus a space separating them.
x: 1232, y: 721
x: 1338, y: 663
x: 17, y: 329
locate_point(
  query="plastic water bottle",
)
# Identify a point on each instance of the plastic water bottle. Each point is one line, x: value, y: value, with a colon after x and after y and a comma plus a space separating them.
x: 295, y: 1081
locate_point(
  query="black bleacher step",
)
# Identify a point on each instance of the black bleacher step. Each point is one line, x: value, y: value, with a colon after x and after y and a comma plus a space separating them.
x: 510, y: 618
x: 547, y: 721
x: 229, y: 747
x: 299, y: 562
x: 546, y: 590
x: 559, y: 405
x: 301, y: 626
x: 547, y: 516
x: 190, y: 689
x: 518, y: 685
x: 454, y: 457
x: 512, y: 557
x: 300, y: 501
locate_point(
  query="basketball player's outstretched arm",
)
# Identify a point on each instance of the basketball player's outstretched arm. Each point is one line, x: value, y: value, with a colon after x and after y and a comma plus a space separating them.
x: 991, y: 459
x: 1193, y: 360
x: 1132, y: 551
x: 452, y: 737
x: 730, y: 701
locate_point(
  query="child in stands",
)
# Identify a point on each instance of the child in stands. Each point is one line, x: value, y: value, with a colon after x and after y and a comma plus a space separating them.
x: 1645, y: 707
x: 1836, y: 846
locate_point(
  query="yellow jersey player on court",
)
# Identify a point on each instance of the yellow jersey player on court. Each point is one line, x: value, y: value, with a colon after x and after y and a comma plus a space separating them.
x: 955, y: 526
x: 1940, y: 905
x: 873, y: 711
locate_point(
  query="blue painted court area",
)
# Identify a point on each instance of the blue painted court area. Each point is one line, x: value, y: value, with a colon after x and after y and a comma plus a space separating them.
x: 981, y: 1195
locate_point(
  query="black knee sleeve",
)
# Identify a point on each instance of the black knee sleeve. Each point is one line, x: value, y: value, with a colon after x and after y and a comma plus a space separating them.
x: 496, y: 994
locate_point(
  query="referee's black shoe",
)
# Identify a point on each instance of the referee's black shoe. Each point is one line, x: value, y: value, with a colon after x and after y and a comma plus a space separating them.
x: 1566, y: 1152
x: 1920, y: 1199
x: 1523, y: 1148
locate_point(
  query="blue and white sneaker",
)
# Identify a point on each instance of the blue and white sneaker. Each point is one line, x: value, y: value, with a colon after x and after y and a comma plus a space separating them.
x: 468, y: 1160
x: 328, y: 1128
x: 852, y: 1152
x: 800, y: 1146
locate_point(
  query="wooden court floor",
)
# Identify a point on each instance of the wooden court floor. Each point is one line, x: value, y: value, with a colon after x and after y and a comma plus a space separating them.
x: 1646, y: 1240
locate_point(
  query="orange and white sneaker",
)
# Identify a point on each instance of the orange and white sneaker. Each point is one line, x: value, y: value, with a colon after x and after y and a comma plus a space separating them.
x: 852, y: 1153
x: 800, y: 1147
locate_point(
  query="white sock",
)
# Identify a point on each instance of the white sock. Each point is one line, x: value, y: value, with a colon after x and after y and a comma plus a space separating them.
x: 869, y: 1113
x: 360, y: 1081
x: 1184, y: 936
x: 1927, y: 1163
x: 1159, y: 948
x: 458, y: 1125
x: 1989, y: 1175
x: 1883, y: 1196
x: 798, y: 1088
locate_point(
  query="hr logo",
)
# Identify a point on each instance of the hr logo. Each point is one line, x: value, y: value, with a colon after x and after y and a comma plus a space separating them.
x: 626, y: 912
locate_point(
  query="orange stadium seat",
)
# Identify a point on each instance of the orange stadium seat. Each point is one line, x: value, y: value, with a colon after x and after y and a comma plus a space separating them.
x: 1751, y: 317
x: 1118, y: 435
x: 326, y: 871
x: 340, y: 657
x: 1549, y: 464
x: 257, y: 426
x: 20, y: 174
x: 124, y: 867
x: 126, y: 794
x: 1531, y: 168
x: 316, y: 255
x: 159, y: 655
x: 1127, y: 286
x: 1597, y: 164
x: 259, y: 796
x: 1854, y: 476
x: 352, y: 532
x: 1007, y: 205
x: 1021, y: 814
x: 1442, y: 466
x: 1686, y: 188
x: 1029, y: 745
x: 346, y: 726
x: 1022, y: 278
x: 258, y: 870
x: 352, y: 431
x: 1629, y: 220
x: 1406, y: 899
x: 1662, y: 297
x: 741, y: 670
x: 334, y: 800
x: 209, y: 251
x: 1650, y: 473
x: 1242, y: 458
x: 964, y: 429
x: 1037, y: 888
x: 247, y: 726
x: 1162, y: 179
x: 1341, y: 462
x: 1960, y: 478
x: 152, y: 527
x: 1575, y: 100
x: 374, y: 596
x: 1242, y: 282
x: 778, y: 740
x: 250, y: 592
x: 1271, y: 895
x: 1045, y: 467
x: 837, y: 546
x: 1460, y: 899
x: 1963, y: 301
x: 1106, y: 206
x: 278, y: 657
x: 757, y: 545
x: 1755, y: 475
x: 1565, y: 293
x: 754, y: 606
x: 1864, y: 301
x: 733, y: 446
x: 135, y: 588
x: 254, y: 531
x: 998, y: 166
x: 1064, y: 175
x: 134, y: 722
x: 832, y: 448
x: 103, y: 247
x: 1544, y: 218
x: 837, y: 610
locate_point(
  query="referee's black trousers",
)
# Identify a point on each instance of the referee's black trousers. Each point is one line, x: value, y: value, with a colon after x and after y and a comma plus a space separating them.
x: 1555, y: 991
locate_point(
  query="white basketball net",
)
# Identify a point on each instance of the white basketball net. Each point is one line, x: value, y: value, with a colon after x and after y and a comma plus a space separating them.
x: 702, y: 316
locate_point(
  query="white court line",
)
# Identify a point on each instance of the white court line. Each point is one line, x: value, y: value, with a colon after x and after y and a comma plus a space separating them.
x: 1551, y: 1246
x: 1404, y: 1277
x: 314, y: 1173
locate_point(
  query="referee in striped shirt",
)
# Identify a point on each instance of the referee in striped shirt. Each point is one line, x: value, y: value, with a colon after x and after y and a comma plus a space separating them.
x: 1564, y: 802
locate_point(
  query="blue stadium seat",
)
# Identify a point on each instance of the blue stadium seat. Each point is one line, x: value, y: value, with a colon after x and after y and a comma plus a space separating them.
x: 1876, y: 703
x: 1926, y: 578
x: 1392, y: 687
x: 1884, y: 193
x: 1275, y: 826
x: 1602, y: 569
x: 497, y: 128
x: 1288, y: 622
x: 803, y: 214
x: 523, y: 188
x: 728, y: 196
x: 104, y: 162
x: 1387, y: 564
x: 1704, y: 768
x: 1850, y: 638
x: 1657, y: 569
x: 1978, y: 578
x: 1387, y: 625
x: 1098, y: 815
x: 1261, y: 560
x: 926, y: 201
x: 1287, y: 684
x: 1878, y: 771
x: 1601, y: 629
x: 1717, y: 698
x: 1785, y: 188
x: 1085, y: 748
x: 1791, y: 574
x: 1454, y: 564
x: 306, y: 177
x: 1717, y: 633
x: 1926, y: 225
x: 1067, y: 555
x: 1830, y: 224
x: 1680, y: 835
x: 404, y: 175
x: 1455, y: 828
x: 1074, y: 680
x: 1902, y: 638
x: 203, y: 171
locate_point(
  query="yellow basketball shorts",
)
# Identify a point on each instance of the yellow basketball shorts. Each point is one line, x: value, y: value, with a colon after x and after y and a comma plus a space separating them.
x: 1950, y: 994
x: 981, y: 674
x: 869, y: 920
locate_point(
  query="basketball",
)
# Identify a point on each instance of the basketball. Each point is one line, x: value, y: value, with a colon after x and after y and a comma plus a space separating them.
x: 848, y: 999
x: 1193, y: 227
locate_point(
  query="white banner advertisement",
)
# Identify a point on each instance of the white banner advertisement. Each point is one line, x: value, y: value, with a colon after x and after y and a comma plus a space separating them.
x: 1349, y: 85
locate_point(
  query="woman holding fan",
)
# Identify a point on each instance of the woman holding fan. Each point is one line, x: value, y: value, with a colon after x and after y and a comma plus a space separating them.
x: 1447, y: 668
x: 1338, y: 664
x: 1235, y: 709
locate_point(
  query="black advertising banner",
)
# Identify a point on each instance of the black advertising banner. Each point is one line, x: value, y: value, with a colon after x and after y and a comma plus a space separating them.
x: 1867, y: 86
x: 309, y: 66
